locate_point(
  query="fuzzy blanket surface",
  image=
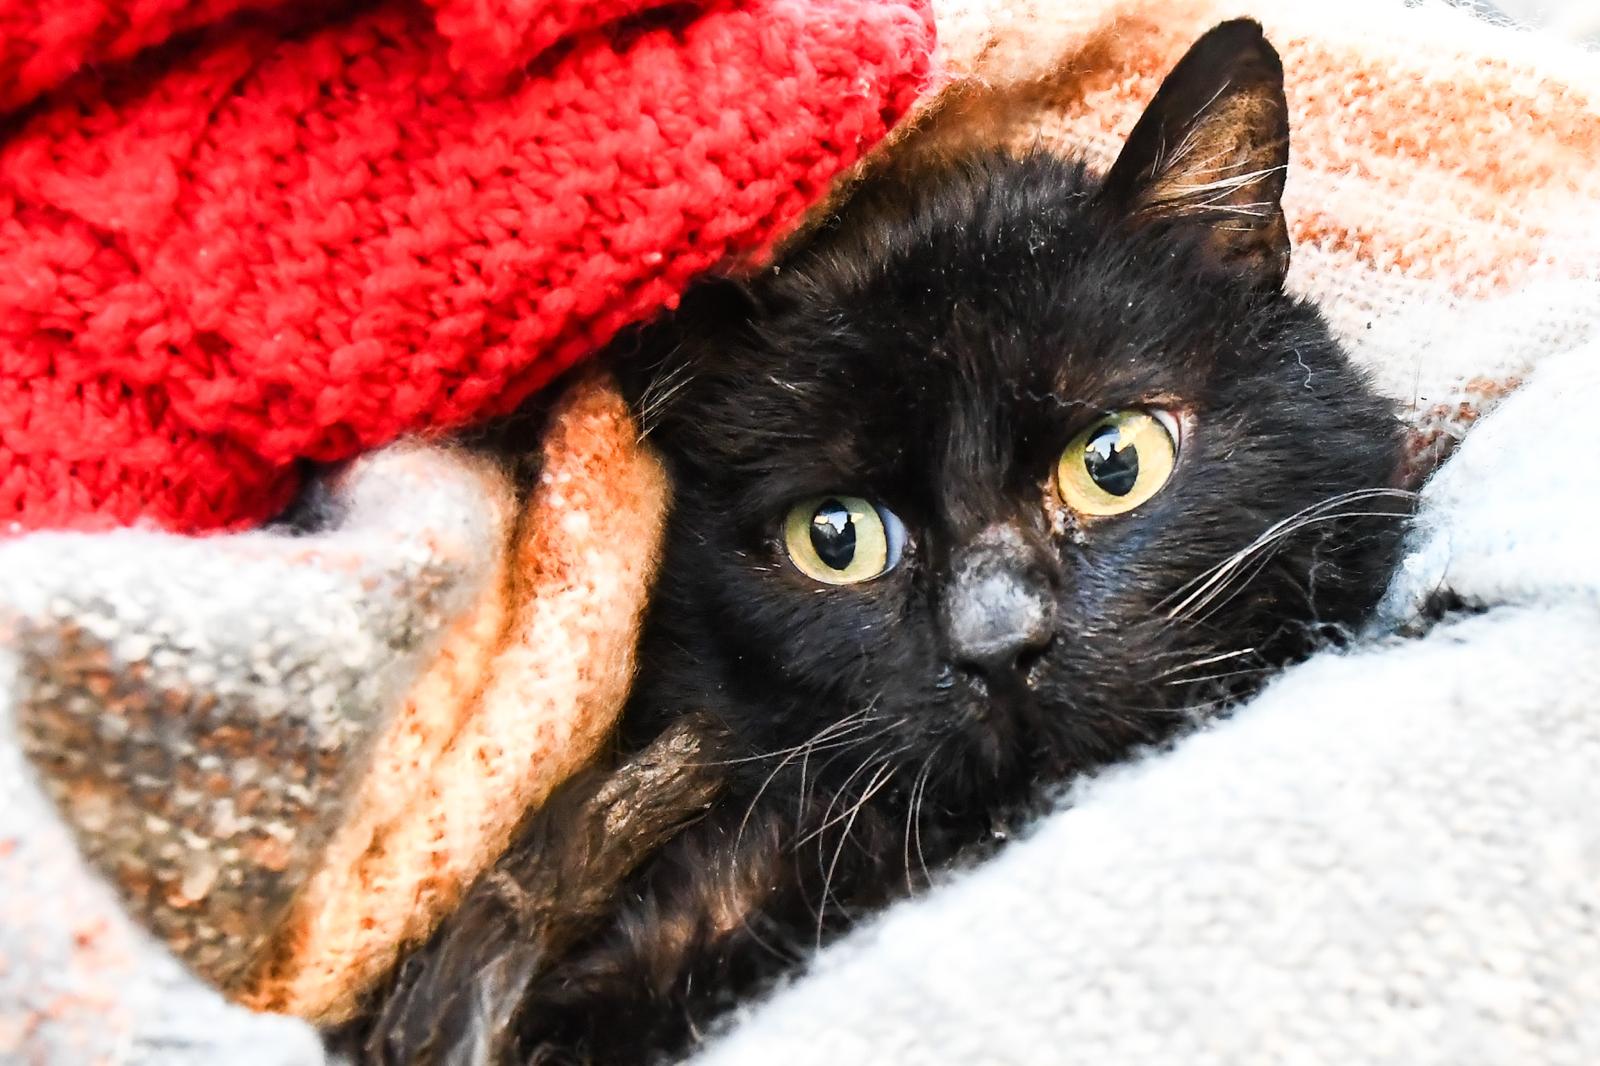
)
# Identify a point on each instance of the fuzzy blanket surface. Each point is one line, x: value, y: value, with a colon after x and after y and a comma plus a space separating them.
x: 285, y: 752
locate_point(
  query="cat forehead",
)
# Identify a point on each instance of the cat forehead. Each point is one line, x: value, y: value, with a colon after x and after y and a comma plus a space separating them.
x: 1046, y: 343
x: 962, y: 415
x: 1002, y: 269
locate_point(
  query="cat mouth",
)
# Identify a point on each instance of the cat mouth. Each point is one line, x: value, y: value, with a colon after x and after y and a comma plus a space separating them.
x: 1034, y: 669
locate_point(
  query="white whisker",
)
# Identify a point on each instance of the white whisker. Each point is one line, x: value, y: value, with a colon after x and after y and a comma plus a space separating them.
x: 1222, y: 572
x: 767, y: 782
x: 913, y: 807
x: 827, y: 881
x: 1206, y: 661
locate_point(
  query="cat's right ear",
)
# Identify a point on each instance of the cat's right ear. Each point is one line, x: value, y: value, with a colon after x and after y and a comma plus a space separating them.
x: 656, y: 363
x: 1210, y: 153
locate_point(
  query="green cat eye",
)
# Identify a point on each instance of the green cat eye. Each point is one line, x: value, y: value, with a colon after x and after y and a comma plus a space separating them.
x: 1118, y: 463
x: 842, y: 540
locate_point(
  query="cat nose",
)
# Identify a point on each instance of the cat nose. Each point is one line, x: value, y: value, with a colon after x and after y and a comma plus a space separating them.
x: 999, y: 609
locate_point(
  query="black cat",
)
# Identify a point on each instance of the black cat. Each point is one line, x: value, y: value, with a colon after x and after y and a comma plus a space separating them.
x: 1003, y: 473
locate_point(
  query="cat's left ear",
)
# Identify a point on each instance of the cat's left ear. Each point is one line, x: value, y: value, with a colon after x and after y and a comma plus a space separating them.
x: 1210, y: 154
x: 654, y: 363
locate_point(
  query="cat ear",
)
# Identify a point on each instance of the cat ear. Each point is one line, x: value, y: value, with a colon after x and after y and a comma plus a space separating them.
x: 653, y: 363
x: 1210, y: 154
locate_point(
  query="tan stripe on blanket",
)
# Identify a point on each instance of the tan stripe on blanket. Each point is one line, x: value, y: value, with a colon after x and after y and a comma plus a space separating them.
x: 435, y: 813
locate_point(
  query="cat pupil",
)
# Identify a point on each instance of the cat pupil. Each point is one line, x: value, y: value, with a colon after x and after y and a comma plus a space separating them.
x: 1115, y: 469
x: 833, y: 534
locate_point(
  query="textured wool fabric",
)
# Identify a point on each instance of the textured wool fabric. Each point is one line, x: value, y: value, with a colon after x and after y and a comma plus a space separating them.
x: 197, y: 707
x: 41, y: 47
x: 200, y: 737
x: 1389, y: 856
x: 288, y: 238
x: 490, y: 41
x: 80, y: 984
x: 440, y: 801
x: 215, y: 717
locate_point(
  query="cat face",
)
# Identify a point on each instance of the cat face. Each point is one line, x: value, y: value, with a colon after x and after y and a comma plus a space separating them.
x: 1009, y: 468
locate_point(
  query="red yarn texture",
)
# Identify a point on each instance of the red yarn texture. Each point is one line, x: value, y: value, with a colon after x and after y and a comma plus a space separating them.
x: 266, y: 243
x: 42, y: 42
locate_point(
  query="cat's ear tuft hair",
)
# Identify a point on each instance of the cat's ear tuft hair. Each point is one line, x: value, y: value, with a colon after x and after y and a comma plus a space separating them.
x: 1210, y: 153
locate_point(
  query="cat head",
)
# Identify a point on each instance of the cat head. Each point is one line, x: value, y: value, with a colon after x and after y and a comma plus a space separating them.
x: 1007, y: 468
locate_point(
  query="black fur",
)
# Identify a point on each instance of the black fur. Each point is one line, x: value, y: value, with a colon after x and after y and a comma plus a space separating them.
x: 934, y: 348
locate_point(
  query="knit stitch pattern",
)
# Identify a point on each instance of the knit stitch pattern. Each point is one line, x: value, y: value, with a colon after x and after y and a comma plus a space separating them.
x: 253, y: 248
x: 40, y: 48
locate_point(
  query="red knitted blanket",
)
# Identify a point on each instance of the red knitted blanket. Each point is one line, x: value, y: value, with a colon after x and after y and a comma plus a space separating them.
x: 238, y: 235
